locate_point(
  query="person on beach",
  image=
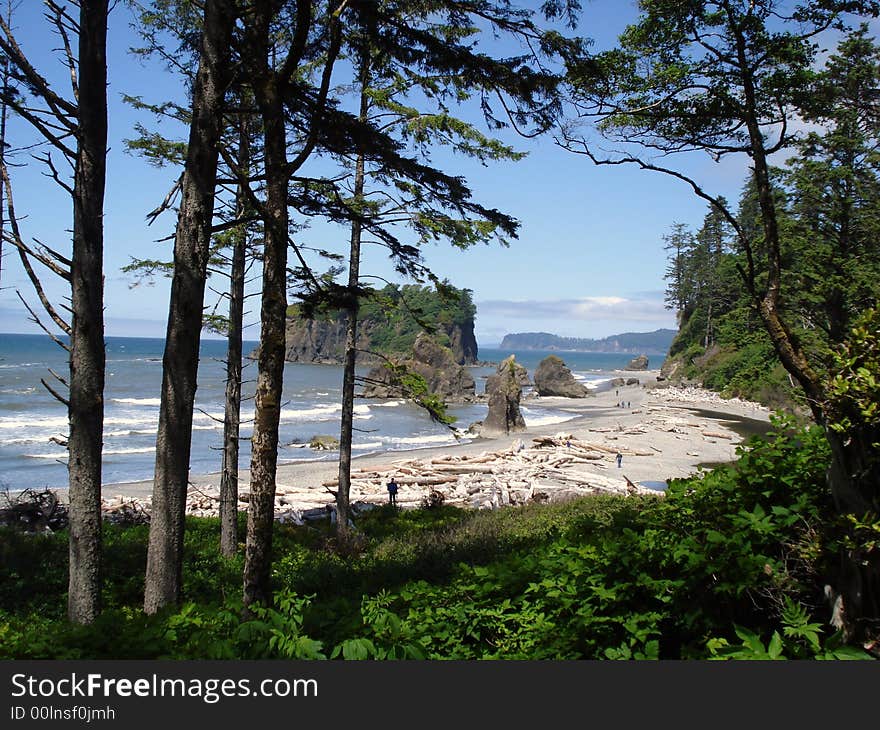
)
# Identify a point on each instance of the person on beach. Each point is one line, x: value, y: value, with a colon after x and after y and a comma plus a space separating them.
x: 392, y: 492
x: 619, y: 459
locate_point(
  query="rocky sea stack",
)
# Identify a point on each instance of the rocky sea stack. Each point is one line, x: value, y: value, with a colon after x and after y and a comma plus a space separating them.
x: 553, y: 378
x: 388, y: 325
x: 435, y: 363
x: 638, y: 363
x: 504, y: 389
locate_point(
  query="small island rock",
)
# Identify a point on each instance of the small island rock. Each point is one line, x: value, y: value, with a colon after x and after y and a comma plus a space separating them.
x: 552, y: 377
x: 324, y: 443
x: 638, y: 363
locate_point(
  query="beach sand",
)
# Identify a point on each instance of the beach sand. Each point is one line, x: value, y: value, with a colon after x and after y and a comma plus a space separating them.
x: 662, y: 433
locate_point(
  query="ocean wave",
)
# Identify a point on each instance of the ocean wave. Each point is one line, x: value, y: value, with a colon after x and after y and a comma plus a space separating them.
x: 17, y: 440
x: 596, y: 382
x: 310, y: 457
x: 131, y: 420
x: 59, y: 455
x: 119, y: 452
x: 545, y: 419
x: 32, y: 423
x: 423, y: 440
x: 138, y: 401
x: 18, y: 391
x: 390, y: 404
x: 368, y: 445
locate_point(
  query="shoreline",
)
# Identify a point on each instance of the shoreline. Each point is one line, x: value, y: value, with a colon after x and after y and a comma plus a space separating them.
x: 661, y: 435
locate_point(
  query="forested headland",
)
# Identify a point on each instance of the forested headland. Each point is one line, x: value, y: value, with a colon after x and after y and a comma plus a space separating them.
x: 648, y: 343
x: 390, y: 319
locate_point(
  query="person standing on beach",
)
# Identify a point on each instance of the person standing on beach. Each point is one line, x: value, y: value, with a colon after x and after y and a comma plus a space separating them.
x: 619, y: 459
x: 392, y: 492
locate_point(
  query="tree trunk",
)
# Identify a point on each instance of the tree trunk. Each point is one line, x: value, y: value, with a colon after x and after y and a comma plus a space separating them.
x: 343, y: 506
x: 181, y: 358
x: 87, y: 355
x: 3, y: 115
x: 852, y: 476
x: 854, y: 479
x: 270, y: 376
x: 232, y: 412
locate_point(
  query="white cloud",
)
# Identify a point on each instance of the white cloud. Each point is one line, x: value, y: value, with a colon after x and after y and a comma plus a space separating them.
x: 592, y: 316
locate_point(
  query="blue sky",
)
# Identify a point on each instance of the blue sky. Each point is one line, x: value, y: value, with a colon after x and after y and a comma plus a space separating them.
x: 589, y: 260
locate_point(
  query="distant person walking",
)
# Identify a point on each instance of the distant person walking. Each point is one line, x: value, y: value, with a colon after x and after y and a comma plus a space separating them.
x: 619, y: 459
x: 392, y: 492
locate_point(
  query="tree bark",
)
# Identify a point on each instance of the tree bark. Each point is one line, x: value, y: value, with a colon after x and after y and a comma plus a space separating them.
x: 270, y: 376
x: 87, y: 354
x: 343, y: 505
x: 232, y: 411
x: 180, y: 361
x: 852, y: 475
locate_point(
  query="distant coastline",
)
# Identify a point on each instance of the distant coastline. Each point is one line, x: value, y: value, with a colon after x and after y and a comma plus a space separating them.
x: 633, y: 343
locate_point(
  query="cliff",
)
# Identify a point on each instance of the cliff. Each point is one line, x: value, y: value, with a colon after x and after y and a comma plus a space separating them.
x: 388, y: 326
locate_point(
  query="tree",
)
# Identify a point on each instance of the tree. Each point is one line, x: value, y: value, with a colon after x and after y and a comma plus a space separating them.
x: 4, y: 114
x: 415, y: 200
x: 416, y: 39
x: 727, y: 77
x: 83, y: 120
x: 270, y: 29
x: 180, y: 361
x: 232, y: 410
x: 679, y: 242
x: 834, y: 186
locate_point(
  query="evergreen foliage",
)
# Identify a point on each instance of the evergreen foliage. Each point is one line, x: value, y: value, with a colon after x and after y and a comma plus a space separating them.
x: 826, y: 202
x: 395, y: 315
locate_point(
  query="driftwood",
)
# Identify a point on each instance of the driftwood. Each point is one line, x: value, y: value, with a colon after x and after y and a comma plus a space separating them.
x: 34, y: 511
x: 716, y: 435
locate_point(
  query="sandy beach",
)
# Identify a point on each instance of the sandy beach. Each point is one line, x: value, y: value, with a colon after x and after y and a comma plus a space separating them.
x: 662, y: 432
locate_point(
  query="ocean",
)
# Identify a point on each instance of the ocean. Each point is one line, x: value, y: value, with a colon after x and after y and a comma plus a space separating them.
x: 30, y: 417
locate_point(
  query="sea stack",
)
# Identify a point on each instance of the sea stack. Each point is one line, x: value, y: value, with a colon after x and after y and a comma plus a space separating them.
x: 436, y: 364
x: 553, y: 378
x: 505, y: 390
x: 638, y: 363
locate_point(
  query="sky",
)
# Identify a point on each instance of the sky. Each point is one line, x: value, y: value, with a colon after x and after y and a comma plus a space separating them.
x: 589, y: 260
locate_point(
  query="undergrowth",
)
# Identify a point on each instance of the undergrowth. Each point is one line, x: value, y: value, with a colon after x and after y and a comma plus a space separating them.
x: 729, y: 564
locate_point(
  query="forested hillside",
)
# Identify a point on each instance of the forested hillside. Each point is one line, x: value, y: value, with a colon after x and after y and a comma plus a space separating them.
x: 649, y: 343
x: 827, y: 198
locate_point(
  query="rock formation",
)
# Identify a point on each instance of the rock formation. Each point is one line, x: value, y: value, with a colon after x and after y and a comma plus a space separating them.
x: 388, y: 324
x: 324, y: 443
x: 519, y: 371
x: 638, y: 363
x: 436, y: 364
x: 505, y: 390
x: 552, y: 377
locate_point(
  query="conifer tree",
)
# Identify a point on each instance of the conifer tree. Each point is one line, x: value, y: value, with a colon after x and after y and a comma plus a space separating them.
x: 726, y: 77
x: 75, y: 128
x: 180, y: 361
